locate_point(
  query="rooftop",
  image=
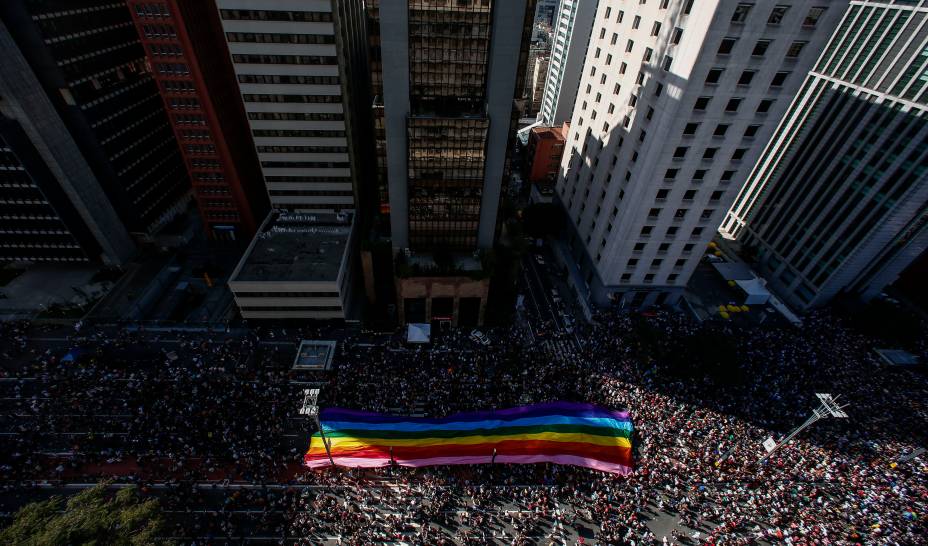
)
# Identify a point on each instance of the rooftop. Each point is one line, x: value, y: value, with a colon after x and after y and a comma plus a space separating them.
x: 297, y: 247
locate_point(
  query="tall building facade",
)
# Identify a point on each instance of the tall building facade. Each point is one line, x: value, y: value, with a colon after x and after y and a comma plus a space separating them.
x: 674, y: 107
x: 301, y: 69
x: 52, y: 206
x: 449, y: 80
x: 187, y: 54
x: 838, y: 202
x: 450, y: 74
x: 573, y: 23
x: 90, y: 64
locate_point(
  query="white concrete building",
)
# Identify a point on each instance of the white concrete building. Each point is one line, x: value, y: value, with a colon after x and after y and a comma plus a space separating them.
x: 838, y: 202
x: 676, y: 102
x: 572, y: 25
x: 290, y: 61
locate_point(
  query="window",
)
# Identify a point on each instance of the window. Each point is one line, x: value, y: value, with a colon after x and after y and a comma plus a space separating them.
x: 688, y: 247
x: 629, y: 46
x: 778, y: 79
x: 764, y: 106
x: 656, y: 29
x: 714, y: 75
x: 680, y: 214
x: 648, y: 52
x: 813, y: 17
x: 671, y: 173
x: 690, y: 129
x: 646, y: 231
x: 751, y: 130
x: 658, y: 90
x: 739, y: 154
x: 665, y: 65
x: 663, y: 248
x: 688, y: 7
x: 616, y: 89
x: 672, y: 232
x: 709, y: 153
x: 650, y: 113
x: 655, y: 213
x: 689, y: 195
x: 649, y: 278
x: 706, y: 214
x: 639, y: 79
x: 672, y: 277
x: 741, y: 12
x: 716, y: 195
x: 776, y: 16
x: 795, y: 49
x: 676, y: 35
x: 662, y: 194
x: 760, y: 48
x: 622, y: 68
x: 727, y: 176
x: 746, y: 77
x: 680, y: 152
x: 697, y: 231
x: 626, y: 277
x: 702, y: 103
x: 656, y: 263
x: 699, y: 174
x: 608, y: 62
x: 633, y: 100
x: 635, y: 22
x: 639, y: 247
x: 632, y: 262
x: 608, y: 12
x: 680, y: 262
x: 721, y: 129
x: 602, y: 79
x: 620, y: 16
x: 733, y: 104
x: 727, y: 45
x: 611, y: 108
x: 602, y: 33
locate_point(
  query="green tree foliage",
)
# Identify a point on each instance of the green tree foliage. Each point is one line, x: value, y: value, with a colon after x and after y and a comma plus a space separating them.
x: 93, y: 517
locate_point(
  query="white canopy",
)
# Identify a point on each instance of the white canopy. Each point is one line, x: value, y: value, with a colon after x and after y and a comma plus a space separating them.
x: 418, y: 333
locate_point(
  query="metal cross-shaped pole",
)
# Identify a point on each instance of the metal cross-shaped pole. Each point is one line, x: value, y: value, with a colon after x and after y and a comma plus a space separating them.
x: 829, y: 407
x: 311, y: 409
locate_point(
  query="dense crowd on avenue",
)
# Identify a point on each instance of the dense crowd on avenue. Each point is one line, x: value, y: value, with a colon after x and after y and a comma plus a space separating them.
x: 221, y: 410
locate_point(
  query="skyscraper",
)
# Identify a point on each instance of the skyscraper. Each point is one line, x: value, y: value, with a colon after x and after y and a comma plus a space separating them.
x: 838, y: 202
x: 301, y: 68
x: 187, y: 52
x: 302, y: 73
x: 54, y: 208
x: 89, y: 62
x: 451, y: 71
x: 674, y: 107
x: 573, y: 23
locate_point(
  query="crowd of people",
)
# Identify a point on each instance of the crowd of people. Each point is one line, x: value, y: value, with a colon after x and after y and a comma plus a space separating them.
x: 224, y: 411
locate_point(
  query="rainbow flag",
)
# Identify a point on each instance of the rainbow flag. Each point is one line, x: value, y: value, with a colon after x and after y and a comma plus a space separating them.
x: 555, y: 432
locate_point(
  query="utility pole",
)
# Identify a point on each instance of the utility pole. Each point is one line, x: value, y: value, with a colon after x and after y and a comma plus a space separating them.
x: 828, y: 407
x: 311, y: 409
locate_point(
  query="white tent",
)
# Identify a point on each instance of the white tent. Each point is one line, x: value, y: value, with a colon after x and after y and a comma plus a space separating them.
x: 418, y: 333
x: 757, y: 293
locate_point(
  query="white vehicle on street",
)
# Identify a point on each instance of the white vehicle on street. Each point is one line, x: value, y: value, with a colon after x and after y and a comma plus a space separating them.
x: 478, y: 337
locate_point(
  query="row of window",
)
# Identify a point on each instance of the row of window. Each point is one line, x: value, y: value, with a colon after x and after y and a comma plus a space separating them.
x: 279, y: 38
x: 266, y: 97
x: 276, y: 15
x: 302, y: 149
x: 279, y: 79
x: 777, y: 14
x: 241, y: 58
x: 297, y: 133
x: 297, y: 116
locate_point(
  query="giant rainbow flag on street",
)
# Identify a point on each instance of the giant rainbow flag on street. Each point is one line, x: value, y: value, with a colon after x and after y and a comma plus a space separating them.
x: 555, y: 432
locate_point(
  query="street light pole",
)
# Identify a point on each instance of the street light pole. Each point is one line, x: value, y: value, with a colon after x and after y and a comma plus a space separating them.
x: 311, y: 408
x: 828, y: 407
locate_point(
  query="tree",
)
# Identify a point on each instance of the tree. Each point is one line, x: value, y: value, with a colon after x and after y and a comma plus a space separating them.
x: 93, y: 516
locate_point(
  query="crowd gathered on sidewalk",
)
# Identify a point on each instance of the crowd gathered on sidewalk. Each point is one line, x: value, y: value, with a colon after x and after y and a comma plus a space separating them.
x: 222, y: 410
